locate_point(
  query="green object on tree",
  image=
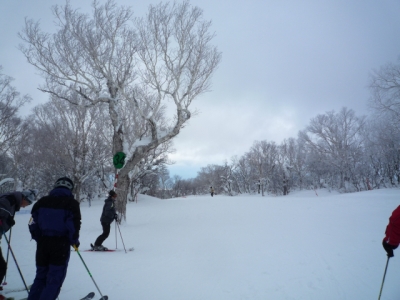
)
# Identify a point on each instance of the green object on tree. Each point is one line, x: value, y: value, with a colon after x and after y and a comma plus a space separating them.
x: 119, y: 160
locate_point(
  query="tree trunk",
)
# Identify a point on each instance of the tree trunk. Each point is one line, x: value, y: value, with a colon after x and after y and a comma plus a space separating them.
x: 122, y: 190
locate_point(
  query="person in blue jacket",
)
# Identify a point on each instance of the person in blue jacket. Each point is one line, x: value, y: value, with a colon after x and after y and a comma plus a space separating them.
x: 55, y: 226
x: 108, y: 215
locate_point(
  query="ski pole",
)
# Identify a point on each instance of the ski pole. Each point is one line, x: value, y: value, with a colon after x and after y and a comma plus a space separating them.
x: 8, y: 254
x: 19, y: 270
x: 77, y: 251
x: 121, y: 236
x: 383, y: 280
x: 116, y: 246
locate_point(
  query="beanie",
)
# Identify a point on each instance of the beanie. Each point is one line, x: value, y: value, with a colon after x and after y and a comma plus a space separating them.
x: 29, y: 195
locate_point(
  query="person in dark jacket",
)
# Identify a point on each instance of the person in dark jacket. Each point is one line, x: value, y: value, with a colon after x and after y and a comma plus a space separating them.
x: 9, y: 204
x: 392, y: 233
x: 55, y: 226
x: 107, y: 217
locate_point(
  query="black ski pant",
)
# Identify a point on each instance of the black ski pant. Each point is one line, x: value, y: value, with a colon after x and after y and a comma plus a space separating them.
x: 102, y: 237
x: 52, y: 257
x: 3, y: 266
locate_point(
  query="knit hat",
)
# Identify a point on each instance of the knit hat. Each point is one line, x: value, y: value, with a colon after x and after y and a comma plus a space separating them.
x: 112, y: 193
x: 29, y: 195
x: 64, y: 182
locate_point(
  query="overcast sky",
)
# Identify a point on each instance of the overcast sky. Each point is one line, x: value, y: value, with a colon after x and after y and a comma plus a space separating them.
x: 283, y: 63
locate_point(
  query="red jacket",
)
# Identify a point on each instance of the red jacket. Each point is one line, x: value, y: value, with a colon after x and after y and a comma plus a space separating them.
x: 393, y: 228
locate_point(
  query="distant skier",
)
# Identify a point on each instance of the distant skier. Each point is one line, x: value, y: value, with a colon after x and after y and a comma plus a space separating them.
x: 212, y: 191
x: 392, y: 234
x: 107, y: 217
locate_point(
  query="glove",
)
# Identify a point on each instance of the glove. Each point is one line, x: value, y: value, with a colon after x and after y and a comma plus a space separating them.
x: 116, y: 217
x: 388, y: 248
x: 10, y: 221
x: 76, y: 245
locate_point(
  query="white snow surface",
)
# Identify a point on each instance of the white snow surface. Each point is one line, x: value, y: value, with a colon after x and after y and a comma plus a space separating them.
x: 308, y: 245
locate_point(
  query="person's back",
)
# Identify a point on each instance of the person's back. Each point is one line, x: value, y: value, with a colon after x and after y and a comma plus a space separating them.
x: 55, y: 225
x: 56, y: 215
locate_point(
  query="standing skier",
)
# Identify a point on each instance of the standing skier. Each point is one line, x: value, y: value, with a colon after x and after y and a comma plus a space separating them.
x: 107, y: 217
x: 9, y: 204
x: 55, y: 226
x: 392, y: 234
x: 212, y: 191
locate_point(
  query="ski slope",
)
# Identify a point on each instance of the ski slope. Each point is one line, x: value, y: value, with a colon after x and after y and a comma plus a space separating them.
x: 308, y: 245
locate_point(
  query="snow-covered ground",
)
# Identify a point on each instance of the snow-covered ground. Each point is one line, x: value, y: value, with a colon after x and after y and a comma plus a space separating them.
x: 302, y: 246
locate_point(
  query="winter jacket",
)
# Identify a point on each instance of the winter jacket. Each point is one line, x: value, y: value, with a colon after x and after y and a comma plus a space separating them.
x: 108, y: 214
x: 393, y: 228
x: 56, y: 215
x: 9, y: 204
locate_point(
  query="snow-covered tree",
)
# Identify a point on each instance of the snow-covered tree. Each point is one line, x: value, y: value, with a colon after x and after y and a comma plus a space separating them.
x: 163, y: 59
x: 80, y: 147
x: 262, y: 159
x: 384, y: 134
x: 165, y: 183
x: 385, y: 91
x: 227, y: 179
x: 11, y: 125
x: 382, y: 152
x: 336, y: 139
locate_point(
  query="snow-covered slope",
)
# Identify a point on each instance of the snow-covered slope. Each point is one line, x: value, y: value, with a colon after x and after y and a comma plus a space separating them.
x: 309, y: 245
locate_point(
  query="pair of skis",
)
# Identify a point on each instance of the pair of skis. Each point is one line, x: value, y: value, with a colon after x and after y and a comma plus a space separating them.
x: 106, y: 249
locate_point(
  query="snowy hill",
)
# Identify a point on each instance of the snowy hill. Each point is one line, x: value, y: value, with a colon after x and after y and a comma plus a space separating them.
x: 309, y: 245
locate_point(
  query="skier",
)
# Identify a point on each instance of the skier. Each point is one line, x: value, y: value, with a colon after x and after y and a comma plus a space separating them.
x: 392, y: 234
x: 107, y: 217
x: 212, y: 191
x: 9, y: 204
x: 55, y: 226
